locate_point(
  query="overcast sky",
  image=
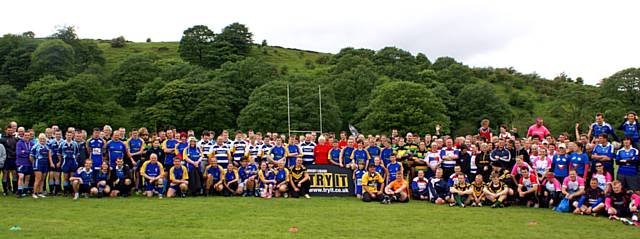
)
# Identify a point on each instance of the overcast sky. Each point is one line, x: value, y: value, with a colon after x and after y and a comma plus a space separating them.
x: 592, y: 39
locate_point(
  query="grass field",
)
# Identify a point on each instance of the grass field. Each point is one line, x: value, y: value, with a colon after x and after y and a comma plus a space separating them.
x: 219, y: 217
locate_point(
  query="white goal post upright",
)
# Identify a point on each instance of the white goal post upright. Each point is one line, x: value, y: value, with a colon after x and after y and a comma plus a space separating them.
x: 289, y: 113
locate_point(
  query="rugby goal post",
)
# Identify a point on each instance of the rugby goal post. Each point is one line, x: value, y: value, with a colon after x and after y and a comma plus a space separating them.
x: 289, y: 113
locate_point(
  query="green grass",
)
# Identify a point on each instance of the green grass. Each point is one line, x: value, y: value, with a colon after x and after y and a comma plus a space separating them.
x: 318, y: 217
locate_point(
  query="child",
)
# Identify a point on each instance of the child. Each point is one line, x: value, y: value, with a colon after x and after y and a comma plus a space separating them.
x: 267, y: 180
x: 231, y: 181
x: 392, y: 168
x: 357, y: 178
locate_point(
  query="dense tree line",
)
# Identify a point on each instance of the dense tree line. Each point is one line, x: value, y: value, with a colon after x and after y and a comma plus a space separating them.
x: 217, y: 84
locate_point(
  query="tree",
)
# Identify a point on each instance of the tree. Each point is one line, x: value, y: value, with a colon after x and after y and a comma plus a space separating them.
x: 396, y: 63
x: 264, y: 43
x: 118, y: 42
x: 66, y: 33
x: 86, y: 52
x: 8, y: 99
x: 422, y: 61
x: 53, y: 57
x: 478, y: 101
x: 131, y: 75
x: 623, y: 85
x: 239, y: 36
x: 443, y: 62
x: 267, y: 108
x: 29, y: 34
x: 195, y: 45
x: 15, y: 60
x: 148, y: 40
x: 395, y: 105
x: 81, y: 101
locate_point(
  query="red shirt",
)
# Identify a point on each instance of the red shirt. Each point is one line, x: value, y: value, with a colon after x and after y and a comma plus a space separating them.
x: 342, y: 144
x: 321, y: 153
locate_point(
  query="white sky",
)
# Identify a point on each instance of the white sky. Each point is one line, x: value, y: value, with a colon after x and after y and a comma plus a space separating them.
x: 592, y: 39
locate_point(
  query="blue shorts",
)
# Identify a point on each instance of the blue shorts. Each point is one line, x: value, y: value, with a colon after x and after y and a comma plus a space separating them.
x: 149, y: 186
x: 41, y: 166
x: 175, y: 187
x: 84, y: 188
x: 26, y: 170
x: 69, y: 166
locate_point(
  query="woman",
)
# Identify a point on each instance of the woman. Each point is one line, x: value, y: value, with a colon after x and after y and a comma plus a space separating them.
x: 282, y: 180
x: 231, y: 184
x: 300, y: 181
x: 560, y: 163
x: 551, y: 191
x: 267, y: 180
x: 101, y: 178
x: 41, y: 158
x: 579, y: 160
x: 192, y: 156
x: 604, y: 178
x: 334, y: 154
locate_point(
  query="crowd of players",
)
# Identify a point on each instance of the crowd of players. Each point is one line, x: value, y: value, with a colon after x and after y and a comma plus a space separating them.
x: 496, y: 168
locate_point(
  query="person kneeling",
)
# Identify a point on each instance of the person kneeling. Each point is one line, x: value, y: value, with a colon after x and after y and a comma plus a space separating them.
x: 460, y: 192
x: 152, y: 172
x: 81, y: 181
x: 299, y: 181
x: 528, y: 188
x: 396, y: 191
x: 231, y: 185
x: 496, y: 191
x: 370, y: 182
x: 420, y: 187
x: 178, y: 179
x: 282, y: 180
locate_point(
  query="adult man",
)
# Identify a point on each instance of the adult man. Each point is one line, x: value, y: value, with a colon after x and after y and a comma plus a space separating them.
x: 152, y: 172
x: 528, y: 187
x: 603, y: 152
x: 221, y: 152
x: 449, y: 156
x: 370, y: 183
x: 627, y: 161
x: 630, y: 127
x: 300, y: 181
x: 178, y: 179
x: 538, y: 129
x: 420, y: 187
x: 496, y: 191
x: 460, y: 192
x: 501, y: 154
x: 95, y: 148
x: 9, y: 142
x: 116, y: 149
x: 307, y: 147
x: 600, y: 127
x: 396, y: 191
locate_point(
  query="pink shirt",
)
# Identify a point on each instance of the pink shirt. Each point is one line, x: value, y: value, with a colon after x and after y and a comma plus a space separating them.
x: 540, y: 131
x: 571, y: 185
x: 553, y: 185
x: 603, y: 180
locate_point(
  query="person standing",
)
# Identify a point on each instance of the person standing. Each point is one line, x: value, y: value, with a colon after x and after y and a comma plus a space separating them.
x: 321, y: 151
x: 538, y: 129
x: 9, y: 141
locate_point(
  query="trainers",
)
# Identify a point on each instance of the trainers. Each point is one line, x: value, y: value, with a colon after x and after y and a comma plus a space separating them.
x: 159, y: 195
x: 479, y: 204
x: 286, y: 195
x: 76, y: 196
x: 307, y: 197
x: 34, y: 196
x: 42, y: 195
x: 473, y: 204
x: 634, y: 218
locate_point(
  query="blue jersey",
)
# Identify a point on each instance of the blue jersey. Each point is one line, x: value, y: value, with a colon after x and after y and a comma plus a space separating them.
x: 358, y: 180
x: 248, y: 171
x: 560, y: 165
x: 282, y: 175
x: 215, y: 172
x: 169, y: 144
x: 82, y: 152
x: 135, y: 145
x: 393, y: 168
x: 604, y: 128
x: 346, y: 155
x: 380, y: 170
x: 374, y: 151
x: 334, y: 155
x: 277, y: 152
x: 291, y: 160
x: 120, y: 173
x: 193, y: 154
x: 630, y: 130
x: 85, y: 175
x: 101, y: 176
x: 68, y: 152
x: 579, y: 162
x: 151, y: 169
x: 360, y: 155
x: 54, y: 146
x: 115, y: 150
x: 95, y: 151
x: 40, y: 154
x: 230, y: 175
x: 630, y: 166
x: 605, y: 150
x: 385, y: 155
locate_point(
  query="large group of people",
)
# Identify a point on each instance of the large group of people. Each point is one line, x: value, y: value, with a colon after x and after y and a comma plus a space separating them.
x: 594, y: 174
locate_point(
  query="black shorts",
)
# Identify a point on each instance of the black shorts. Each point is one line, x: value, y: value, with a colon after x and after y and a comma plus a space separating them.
x: 10, y: 164
x: 84, y: 188
x: 629, y: 182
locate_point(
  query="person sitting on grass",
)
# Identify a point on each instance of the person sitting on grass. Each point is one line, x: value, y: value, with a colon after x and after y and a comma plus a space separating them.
x: 231, y: 184
x: 496, y: 191
x: 528, y: 187
x: 477, y: 187
x: 267, y: 180
x: 371, y: 182
x: 300, y: 181
x: 592, y: 201
x: 551, y: 191
x: 214, y: 173
x: 573, y: 186
x: 120, y: 179
x: 282, y: 180
x: 617, y: 202
x: 152, y: 173
x: 396, y: 191
x: 439, y: 188
x: 248, y: 176
x: 460, y: 192
x: 357, y: 178
x: 82, y: 179
x: 101, y: 179
x: 420, y: 187
x: 178, y: 179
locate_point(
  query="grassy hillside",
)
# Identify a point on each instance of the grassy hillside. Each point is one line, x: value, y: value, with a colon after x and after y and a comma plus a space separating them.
x: 293, y: 59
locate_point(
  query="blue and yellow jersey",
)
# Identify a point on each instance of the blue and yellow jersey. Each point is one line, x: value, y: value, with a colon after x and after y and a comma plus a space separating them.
x: 239, y: 149
x: 291, y: 149
x: 152, y: 169
x: 358, y: 173
x: 178, y: 173
x: 191, y: 153
x: 215, y: 172
x: 334, y: 155
x: 115, y: 150
x: 85, y: 175
x: 374, y: 151
x: 346, y: 154
x: 222, y: 153
x: 372, y: 181
x: 385, y: 155
x: 230, y: 175
x: 381, y: 170
x: 180, y: 148
x: 265, y: 175
x: 278, y: 153
x: 169, y: 144
x: 96, y: 146
x: 360, y: 155
x: 393, y: 168
x: 282, y: 175
x: 135, y: 145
